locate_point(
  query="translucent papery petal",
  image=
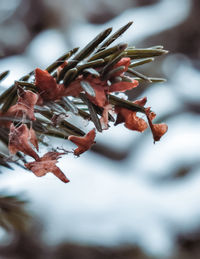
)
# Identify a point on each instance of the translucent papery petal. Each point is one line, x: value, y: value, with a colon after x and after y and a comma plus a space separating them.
x: 19, y: 141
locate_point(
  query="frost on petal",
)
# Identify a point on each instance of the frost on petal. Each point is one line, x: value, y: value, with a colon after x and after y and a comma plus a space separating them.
x: 123, y: 86
x: 48, y: 88
x: 47, y: 164
x: 19, y: 141
x: 158, y: 130
x: 83, y: 143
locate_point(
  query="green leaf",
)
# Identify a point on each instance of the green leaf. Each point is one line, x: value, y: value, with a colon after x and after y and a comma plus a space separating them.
x: 4, y: 74
x: 135, y: 73
x: 125, y: 104
x: 144, y: 53
x: 70, y: 105
x: 85, y: 52
x: 141, y: 62
x: 114, y: 36
x: 109, y: 51
x: 93, y: 114
x: 61, y: 60
x: 70, y: 76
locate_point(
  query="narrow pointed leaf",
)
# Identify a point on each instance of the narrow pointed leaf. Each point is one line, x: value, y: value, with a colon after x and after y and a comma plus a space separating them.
x: 4, y: 74
x: 106, y: 52
x: 70, y: 105
x: 138, y: 74
x: 93, y: 114
x: 125, y: 104
x: 156, y: 47
x: 95, y: 63
x: 69, y: 76
x: 112, y: 72
x: 61, y: 60
x: 144, y: 53
x: 85, y: 52
x: 10, y: 99
x: 153, y: 79
x: 141, y: 62
x: 115, y: 36
x: 111, y: 64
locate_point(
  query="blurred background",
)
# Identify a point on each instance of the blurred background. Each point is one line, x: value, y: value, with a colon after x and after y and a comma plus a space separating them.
x: 127, y: 198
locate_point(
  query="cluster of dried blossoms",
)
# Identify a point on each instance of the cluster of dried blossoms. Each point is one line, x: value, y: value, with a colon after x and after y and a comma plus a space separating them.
x: 90, y: 78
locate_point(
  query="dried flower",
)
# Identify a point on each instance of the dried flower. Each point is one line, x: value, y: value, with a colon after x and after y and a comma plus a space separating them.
x: 19, y: 138
x: 47, y: 164
x: 158, y: 130
x: 132, y: 121
x: 83, y: 143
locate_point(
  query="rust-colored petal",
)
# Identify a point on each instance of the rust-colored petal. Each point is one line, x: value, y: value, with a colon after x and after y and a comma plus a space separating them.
x: 24, y: 106
x: 19, y: 141
x: 158, y: 130
x: 83, y: 143
x: 133, y: 122
x: 123, y: 86
x: 74, y: 88
x: 123, y: 62
x: 100, y: 88
x: 100, y: 98
x: 141, y: 101
x: 130, y: 119
x: 47, y: 164
x: 48, y: 88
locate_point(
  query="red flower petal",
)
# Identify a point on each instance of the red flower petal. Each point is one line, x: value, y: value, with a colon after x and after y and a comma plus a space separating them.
x: 158, y: 130
x: 123, y: 62
x: 47, y: 86
x: 141, y: 101
x: 123, y: 86
x: 19, y: 141
x: 132, y: 121
x: 47, y: 164
x: 100, y: 87
x: 25, y: 105
x: 74, y: 88
x: 83, y: 143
